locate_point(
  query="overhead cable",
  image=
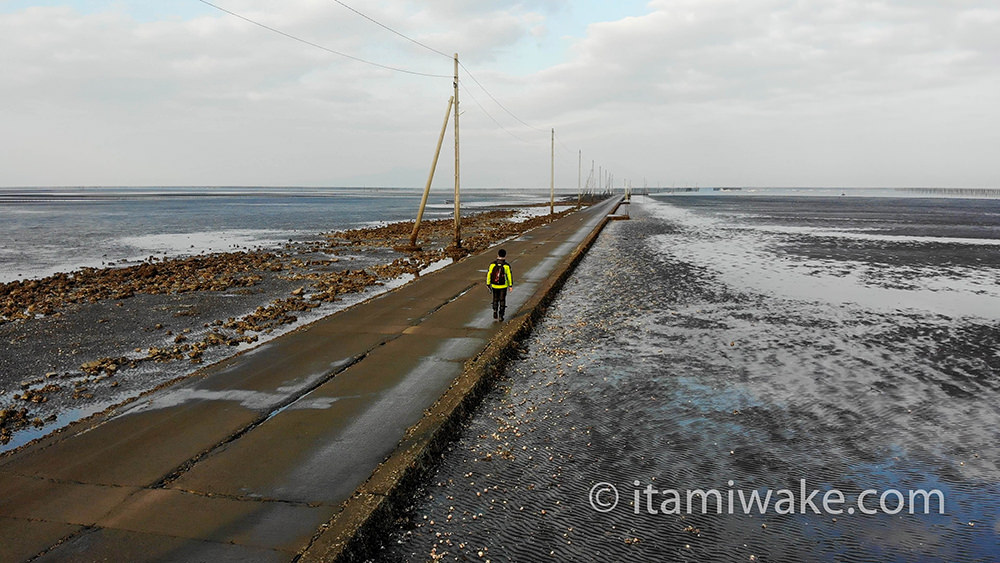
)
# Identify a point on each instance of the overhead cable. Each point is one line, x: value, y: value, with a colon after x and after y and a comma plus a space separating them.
x: 510, y: 113
x: 563, y: 146
x: 432, y: 49
x: 316, y: 45
x: 493, y: 119
x: 387, y: 28
x: 397, y: 69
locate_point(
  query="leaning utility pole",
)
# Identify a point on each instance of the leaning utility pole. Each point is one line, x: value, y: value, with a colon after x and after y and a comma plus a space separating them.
x: 430, y: 178
x: 458, y: 217
x: 579, y: 177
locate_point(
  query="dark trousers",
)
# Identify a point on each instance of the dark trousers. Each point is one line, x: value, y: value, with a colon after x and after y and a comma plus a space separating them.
x: 499, y: 300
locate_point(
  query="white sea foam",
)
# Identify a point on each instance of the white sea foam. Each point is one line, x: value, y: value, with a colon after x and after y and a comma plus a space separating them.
x: 207, y: 241
x: 44, y: 260
x: 525, y: 213
x: 47, y: 259
x: 866, y: 234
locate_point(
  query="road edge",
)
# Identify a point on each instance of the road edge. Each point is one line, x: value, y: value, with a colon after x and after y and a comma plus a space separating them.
x: 357, y: 530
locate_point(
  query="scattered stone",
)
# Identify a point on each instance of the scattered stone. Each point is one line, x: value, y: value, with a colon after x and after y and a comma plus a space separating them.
x: 104, y: 365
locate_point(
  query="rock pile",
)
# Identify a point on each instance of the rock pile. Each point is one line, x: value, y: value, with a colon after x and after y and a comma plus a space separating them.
x: 217, y: 272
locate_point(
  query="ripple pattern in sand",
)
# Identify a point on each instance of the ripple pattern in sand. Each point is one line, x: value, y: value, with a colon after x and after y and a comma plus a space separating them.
x: 652, y: 368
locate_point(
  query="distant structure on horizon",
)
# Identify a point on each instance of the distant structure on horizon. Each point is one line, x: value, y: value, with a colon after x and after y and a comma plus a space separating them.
x: 964, y: 192
x: 953, y: 192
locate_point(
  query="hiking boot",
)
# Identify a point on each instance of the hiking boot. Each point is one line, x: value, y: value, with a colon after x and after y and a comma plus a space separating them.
x: 494, y: 314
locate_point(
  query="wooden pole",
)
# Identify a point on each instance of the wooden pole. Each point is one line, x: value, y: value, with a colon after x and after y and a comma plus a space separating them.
x: 430, y: 177
x: 552, y: 177
x: 458, y: 204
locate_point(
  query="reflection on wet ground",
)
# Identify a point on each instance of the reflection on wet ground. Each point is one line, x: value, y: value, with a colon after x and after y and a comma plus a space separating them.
x: 698, y: 346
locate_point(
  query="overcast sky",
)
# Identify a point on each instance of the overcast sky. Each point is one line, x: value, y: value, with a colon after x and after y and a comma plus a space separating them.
x: 676, y: 92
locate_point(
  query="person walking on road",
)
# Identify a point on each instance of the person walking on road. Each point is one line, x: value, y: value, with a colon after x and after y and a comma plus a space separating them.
x: 499, y: 280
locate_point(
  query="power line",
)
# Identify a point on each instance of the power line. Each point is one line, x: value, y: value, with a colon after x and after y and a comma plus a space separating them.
x: 327, y: 49
x: 387, y: 28
x: 396, y: 69
x: 432, y: 49
x: 563, y: 146
x: 469, y: 92
x: 467, y: 71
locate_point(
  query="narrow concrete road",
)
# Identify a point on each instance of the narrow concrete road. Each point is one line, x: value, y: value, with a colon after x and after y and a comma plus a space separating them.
x: 246, y: 459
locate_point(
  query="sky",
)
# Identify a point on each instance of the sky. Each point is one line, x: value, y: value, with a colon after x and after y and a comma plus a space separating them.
x: 826, y: 93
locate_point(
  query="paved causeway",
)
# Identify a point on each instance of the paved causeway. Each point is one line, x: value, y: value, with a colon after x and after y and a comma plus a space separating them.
x: 248, y: 458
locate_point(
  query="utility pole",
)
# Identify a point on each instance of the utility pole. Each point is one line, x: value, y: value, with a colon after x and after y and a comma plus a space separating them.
x: 552, y: 176
x: 458, y: 204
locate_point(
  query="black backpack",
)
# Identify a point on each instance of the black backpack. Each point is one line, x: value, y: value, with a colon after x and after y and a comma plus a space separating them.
x: 499, y: 274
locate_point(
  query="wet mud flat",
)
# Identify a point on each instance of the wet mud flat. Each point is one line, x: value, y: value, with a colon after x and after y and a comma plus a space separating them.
x: 658, y: 367
x: 75, y: 344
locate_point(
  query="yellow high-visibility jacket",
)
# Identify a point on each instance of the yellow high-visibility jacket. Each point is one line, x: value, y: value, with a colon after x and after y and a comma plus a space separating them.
x: 489, y: 276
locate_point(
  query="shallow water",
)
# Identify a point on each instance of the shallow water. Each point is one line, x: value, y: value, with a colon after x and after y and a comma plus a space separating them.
x: 744, y: 344
x: 49, y: 230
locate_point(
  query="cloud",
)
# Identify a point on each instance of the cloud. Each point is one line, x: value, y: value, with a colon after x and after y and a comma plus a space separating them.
x: 737, y: 50
x: 849, y: 92
x: 763, y: 92
x: 104, y: 99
